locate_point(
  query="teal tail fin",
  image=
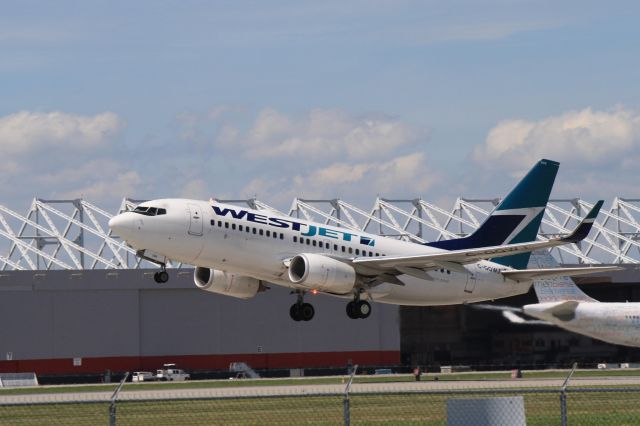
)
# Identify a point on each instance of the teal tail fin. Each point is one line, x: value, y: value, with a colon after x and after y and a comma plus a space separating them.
x: 516, y: 219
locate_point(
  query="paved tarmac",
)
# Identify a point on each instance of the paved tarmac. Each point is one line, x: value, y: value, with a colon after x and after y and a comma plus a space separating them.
x: 131, y: 394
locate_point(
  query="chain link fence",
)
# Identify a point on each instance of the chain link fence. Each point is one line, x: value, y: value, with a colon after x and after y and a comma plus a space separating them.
x: 588, y: 406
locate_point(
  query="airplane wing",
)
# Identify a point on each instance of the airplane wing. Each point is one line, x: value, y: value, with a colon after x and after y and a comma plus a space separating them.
x: 530, y: 274
x: 455, y: 259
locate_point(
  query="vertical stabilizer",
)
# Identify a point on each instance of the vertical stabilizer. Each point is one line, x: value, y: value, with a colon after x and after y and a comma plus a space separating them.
x: 554, y: 289
x: 516, y: 219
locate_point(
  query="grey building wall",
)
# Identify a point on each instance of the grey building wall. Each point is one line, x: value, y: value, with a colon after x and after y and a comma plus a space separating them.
x: 98, y: 313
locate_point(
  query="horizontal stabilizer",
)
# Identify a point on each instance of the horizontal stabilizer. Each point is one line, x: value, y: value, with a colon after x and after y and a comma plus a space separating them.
x: 467, y: 256
x: 510, y: 313
x: 500, y: 308
x: 564, y: 311
x: 514, y: 318
x: 517, y: 319
x: 531, y: 274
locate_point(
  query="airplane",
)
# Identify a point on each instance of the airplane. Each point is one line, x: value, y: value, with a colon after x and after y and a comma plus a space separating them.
x: 237, y: 251
x: 563, y: 304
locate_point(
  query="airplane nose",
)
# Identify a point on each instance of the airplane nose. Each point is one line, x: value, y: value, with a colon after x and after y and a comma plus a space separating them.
x: 121, y: 225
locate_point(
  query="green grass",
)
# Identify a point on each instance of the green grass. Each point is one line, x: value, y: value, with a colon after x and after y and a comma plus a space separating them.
x: 594, y: 408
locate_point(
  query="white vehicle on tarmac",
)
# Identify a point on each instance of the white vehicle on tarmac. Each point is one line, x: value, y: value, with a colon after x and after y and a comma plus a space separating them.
x: 143, y: 376
x: 170, y: 373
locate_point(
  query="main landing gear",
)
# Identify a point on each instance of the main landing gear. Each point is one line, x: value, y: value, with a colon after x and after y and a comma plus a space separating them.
x: 301, y: 311
x: 161, y: 276
x: 358, y: 308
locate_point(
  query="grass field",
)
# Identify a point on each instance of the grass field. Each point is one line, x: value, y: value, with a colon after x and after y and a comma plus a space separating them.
x: 594, y: 408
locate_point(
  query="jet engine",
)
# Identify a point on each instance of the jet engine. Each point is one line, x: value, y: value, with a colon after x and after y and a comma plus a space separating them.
x: 226, y: 283
x: 318, y: 272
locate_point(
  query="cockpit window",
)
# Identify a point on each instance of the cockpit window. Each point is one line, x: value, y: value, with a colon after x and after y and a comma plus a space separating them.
x: 149, y: 211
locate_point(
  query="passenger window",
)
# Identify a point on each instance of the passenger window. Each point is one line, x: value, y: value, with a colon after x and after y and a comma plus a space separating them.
x: 350, y: 250
x: 314, y: 243
x: 254, y: 231
x: 343, y: 249
x: 281, y: 236
x: 268, y: 233
x: 301, y: 240
x: 233, y: 226
x: 295, y: 239
x: 275, y: 235
x: 226, y: 225
x: 377, y: 254
x: 219, y: 224
x: 357, y: 252
x: 335, y: 247
x: 239, y: 227
x: 261, y: 231
x: 320, y: 244
x: 370, y: 254
x: 248, y: 229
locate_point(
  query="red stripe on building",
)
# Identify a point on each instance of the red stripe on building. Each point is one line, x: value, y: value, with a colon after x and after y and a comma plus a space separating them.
x: 200, y: 362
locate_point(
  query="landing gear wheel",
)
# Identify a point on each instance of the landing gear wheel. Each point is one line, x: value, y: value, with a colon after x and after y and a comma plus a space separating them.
x: 359, y: 309
x: 363, y: 308
x: 161, y: 277
x: 294, y: 312
x: 307, y: 312
x: 302, y: 312
x: 351, y: 310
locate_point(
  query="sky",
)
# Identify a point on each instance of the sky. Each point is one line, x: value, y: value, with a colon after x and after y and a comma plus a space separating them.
x: 278, y: 99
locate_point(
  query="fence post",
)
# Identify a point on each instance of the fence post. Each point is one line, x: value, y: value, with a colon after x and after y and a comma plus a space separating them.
x: 114, y: 397
x: 563, y: 396
x: 347, y: 412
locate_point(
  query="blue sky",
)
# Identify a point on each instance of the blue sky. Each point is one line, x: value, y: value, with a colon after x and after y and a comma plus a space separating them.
x: 319, y: 99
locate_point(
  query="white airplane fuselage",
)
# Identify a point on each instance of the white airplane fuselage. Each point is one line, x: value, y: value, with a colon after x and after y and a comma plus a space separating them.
x: 257, y: 244
x: 617, y: 323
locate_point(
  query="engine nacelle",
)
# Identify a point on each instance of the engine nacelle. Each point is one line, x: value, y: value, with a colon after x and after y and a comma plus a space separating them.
x: 318, y: 272
x: 226, y: 283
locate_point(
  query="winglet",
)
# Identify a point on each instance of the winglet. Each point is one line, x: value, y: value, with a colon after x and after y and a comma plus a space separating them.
x: 584, y: 227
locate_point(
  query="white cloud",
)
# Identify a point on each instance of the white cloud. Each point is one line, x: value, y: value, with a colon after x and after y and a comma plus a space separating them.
x: 321, y: 135
x: 585, y: 137
x: 117, y: 184
x: 57, y: 154
x: 407, y: 175
x: 24, y: 132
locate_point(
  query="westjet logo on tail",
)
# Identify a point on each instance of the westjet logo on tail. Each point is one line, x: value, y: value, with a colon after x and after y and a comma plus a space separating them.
x: 304, y: 229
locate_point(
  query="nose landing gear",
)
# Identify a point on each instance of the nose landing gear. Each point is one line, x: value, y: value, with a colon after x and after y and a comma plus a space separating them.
x: 161, y: 276
x: 301, y: 311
